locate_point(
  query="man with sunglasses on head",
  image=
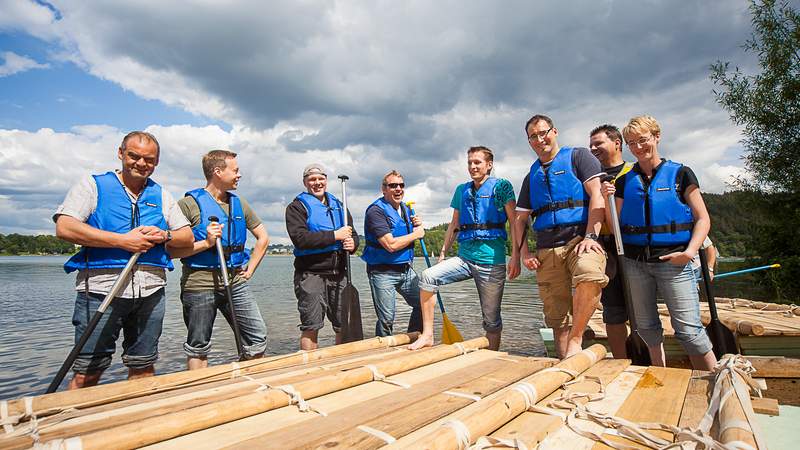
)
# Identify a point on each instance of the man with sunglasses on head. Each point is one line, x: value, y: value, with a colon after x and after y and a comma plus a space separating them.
x: 202, y: 290
x: 321, y: 232
x: 562, y: 191
x: 390, y: 232
x: 113, y: 216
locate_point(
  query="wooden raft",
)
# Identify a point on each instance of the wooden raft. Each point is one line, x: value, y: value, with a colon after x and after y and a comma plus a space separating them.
x: 761, y: 329
x: 369, y: 394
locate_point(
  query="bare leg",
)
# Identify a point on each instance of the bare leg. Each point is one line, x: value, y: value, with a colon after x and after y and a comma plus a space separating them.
x: 583, y: 305
x: 148, y: 371
x: 657, y: 357
x: 494, y: 340
x: 339, y: 338
x: 196, y: 363
x: 560, y: 337
x: 81, y: 380
x: 425, y: 338
x: 308, y: 339
x: 706, y: 361
x: 617, y: 334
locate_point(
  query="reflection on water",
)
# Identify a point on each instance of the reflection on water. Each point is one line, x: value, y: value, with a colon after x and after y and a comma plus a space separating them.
x: 37, y: 299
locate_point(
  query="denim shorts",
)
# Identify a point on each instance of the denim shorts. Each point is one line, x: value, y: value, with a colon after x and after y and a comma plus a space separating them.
x: 139, y: 319
x: 318, y: 296
x: 200, y: 311
x: 385, y: 285
x: 490, y: 279
x: 678, y: 286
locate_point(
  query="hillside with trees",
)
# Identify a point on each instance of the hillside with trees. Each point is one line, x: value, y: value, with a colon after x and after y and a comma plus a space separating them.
x: 20, y: 244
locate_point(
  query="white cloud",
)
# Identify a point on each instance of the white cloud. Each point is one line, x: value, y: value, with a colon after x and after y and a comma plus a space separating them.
x: 14, y: 63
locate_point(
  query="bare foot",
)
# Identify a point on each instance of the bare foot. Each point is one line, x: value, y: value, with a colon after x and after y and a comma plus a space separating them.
x: 424, y: 340
x: 573, y: 347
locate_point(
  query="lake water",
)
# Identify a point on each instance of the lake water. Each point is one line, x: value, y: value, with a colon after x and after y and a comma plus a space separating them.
x: 37, y: 298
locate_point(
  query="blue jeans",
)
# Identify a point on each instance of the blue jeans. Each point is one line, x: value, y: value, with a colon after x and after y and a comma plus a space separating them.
x: 678, y: 287
x: 490, y: 279
x: 140, y: 320
x: 200, y: 310
x: 383, y: 285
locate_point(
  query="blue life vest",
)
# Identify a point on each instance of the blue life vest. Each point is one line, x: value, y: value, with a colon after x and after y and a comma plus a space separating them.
x: 557, y: 195
x: 116, y: 213
x: 374, y: 253
x: 321, y: 217
x: 478, y: 216
x: 234, y: 232
x: 655, y: 216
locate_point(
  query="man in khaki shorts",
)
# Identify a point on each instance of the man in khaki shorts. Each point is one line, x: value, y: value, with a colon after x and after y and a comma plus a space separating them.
x: 562, y: 191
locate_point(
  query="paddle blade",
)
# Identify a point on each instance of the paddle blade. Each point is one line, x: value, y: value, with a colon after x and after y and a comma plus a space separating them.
x: 450, y: 334
x: 637, y: 350
x: 722, y: 339
x: 350, y: 317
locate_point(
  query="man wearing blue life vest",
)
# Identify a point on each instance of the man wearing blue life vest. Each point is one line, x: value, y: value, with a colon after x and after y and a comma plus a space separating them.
x: 390, y: 232
x: 202, y: 290
x: 112, y: 216
x: 664, y: 222
x: 315, y: 221
x: 605, y: 143
x: 481, y: 208
x: 562, y: 191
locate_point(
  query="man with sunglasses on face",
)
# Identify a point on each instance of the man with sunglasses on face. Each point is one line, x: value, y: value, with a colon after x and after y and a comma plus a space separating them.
x: 390, y: 232
x: 562, y: 191
x: 316, y: 224
x: 112, y: 216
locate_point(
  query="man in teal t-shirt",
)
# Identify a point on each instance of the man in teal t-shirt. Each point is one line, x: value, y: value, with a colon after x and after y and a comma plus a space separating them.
x: 481, y: 208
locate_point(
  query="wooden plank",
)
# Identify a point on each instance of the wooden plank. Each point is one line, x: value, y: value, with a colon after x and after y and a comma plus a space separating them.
x: 775, y: 367
x: 696, y: 402
x: 261, y: 424
x: 532, y: 427
x: 763, y: 405
x: 657, y: 397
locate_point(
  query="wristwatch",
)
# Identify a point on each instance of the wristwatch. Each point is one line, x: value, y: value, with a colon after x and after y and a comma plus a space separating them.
x: 169, y: 236
x: 592, y: 236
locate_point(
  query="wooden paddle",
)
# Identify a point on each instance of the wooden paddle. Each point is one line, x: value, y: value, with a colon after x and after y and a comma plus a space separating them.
x: 721, y: 337
x: 450, y: 334
x: 350, y: 309
x: 223, y: 268
x: 123, y: 275
x: 635, y: 347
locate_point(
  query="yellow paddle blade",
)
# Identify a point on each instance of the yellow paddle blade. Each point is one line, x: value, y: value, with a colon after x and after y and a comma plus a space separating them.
x: 450, y: 334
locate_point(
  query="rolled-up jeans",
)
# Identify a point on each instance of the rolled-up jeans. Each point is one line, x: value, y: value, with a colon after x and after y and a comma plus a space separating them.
x: 384, y: 286
x: 490, y: 279
x: 200, y: 310
x: 678, y: 286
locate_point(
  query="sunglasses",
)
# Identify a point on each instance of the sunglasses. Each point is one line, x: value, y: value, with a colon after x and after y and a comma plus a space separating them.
x: 395, y: 185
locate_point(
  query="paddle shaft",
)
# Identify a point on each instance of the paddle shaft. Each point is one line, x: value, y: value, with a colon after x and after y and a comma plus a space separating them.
x: 350, y: 306
x: 428, y: 263
x: 752, y: 269
x: 722, y: 338
x: 223, y: 269
x: 120, y: 281
x: 346, y: 223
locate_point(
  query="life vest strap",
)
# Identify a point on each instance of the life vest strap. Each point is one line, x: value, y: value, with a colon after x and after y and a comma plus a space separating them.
x: 555, y: 206
x: 481, y: 226
x: 671, y: 228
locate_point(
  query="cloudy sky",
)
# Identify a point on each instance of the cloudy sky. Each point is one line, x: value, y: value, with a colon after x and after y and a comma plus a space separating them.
x: 361, y: 86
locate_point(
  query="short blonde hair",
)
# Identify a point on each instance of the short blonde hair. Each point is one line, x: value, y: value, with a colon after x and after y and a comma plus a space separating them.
x: 641, y: 125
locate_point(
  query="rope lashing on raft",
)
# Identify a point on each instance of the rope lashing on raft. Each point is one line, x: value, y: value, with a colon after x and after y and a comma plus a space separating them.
x: 463, y: 437
x: 463, y: 349
x: 382, y: 435
x: 474, y: 398
x: 377, y: 376
x: 294, y: 396
x: 8, y: 421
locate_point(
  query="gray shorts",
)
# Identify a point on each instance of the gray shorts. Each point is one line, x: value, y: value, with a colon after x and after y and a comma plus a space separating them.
x: 318, y: 296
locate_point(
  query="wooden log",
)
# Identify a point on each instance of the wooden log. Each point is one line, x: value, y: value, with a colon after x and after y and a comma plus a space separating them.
x: 763, y: 405
x: 775, y: 366
x: 496, y: 412
x: 658, y: 397
x: 48, y: 404
x: 732, y: 415
x: 167, y: 426
x: 531, y: 428
x: 744, y: 326
x: 401, y: 412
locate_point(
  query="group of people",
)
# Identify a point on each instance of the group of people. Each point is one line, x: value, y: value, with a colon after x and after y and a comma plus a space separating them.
x: 662, y: 217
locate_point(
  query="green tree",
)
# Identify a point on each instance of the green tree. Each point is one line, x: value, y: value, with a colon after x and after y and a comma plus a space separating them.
x: 767, y: 106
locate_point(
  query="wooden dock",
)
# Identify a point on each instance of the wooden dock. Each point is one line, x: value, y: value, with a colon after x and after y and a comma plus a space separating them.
x: 375, y: 393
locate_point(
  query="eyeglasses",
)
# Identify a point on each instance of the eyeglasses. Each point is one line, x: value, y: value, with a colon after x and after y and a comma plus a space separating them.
x: 639, y: 142
x: 395, y: 185
x: 541, y: 135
